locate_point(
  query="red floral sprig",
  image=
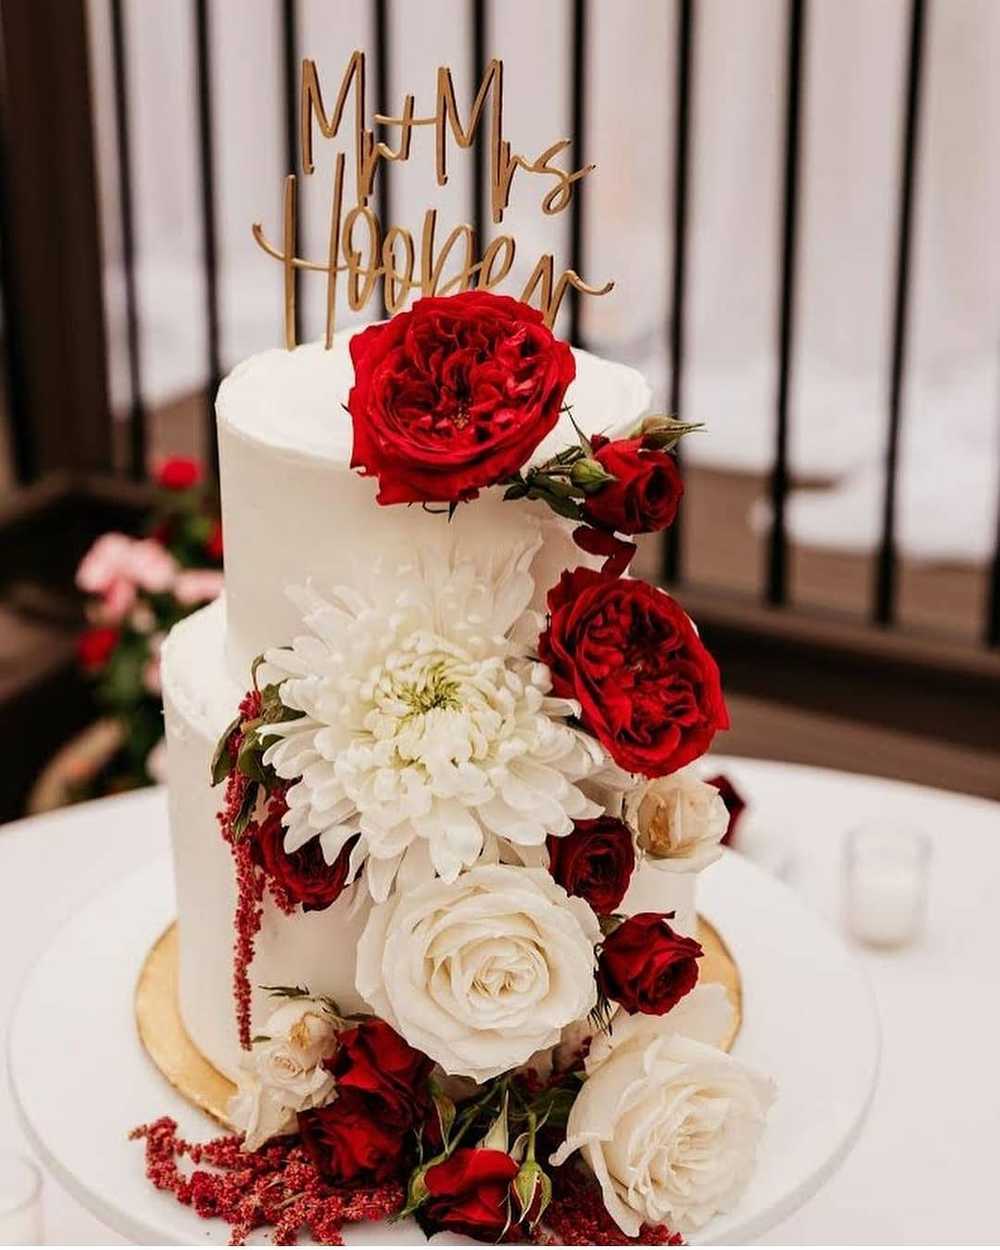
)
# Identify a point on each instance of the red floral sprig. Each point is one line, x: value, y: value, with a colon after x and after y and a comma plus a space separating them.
x: 276, y: 1187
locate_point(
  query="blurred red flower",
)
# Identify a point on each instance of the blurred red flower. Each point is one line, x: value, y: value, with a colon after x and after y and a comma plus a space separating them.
x: 179, y: 473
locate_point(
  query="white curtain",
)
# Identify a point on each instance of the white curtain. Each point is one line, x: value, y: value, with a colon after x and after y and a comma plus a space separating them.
x: 851, y: 134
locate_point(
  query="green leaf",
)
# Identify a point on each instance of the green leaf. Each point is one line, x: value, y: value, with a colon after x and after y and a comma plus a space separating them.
x: 222, y: 756
x: 249, y: 761
x: 242, y: 818
x: 286, y: 991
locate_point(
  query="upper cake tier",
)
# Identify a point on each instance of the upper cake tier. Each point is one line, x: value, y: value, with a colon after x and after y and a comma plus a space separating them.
x: 294, y: 511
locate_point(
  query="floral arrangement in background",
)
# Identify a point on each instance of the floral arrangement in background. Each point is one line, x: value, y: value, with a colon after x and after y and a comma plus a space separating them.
x: 137, y: 589
x: 480, y: 765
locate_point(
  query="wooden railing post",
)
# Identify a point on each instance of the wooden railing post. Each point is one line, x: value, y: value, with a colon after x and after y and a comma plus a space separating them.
x: 52, y: 248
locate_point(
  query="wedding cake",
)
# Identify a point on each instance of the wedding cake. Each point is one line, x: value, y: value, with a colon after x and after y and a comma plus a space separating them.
x: 435, y: 806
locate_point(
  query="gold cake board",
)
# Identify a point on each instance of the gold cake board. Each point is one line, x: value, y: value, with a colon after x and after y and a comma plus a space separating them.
x: 162, y: 1031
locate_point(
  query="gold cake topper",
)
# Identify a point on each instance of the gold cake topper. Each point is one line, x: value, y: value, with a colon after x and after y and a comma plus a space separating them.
x: 357, y: 245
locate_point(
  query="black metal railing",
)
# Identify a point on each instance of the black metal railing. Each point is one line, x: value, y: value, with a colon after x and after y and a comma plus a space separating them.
x: 680, y: 78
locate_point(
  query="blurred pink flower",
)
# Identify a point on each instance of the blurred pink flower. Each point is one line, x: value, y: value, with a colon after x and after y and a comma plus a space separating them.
x: 104, y: 563
x: 197, y: 586
x: 152, y: 566
x: 116, y: 566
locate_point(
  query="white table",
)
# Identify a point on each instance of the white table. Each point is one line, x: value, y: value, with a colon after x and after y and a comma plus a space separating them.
x: 924, y: 1170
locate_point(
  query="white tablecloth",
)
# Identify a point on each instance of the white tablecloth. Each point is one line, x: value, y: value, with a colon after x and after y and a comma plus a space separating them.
x: 925, y: 1168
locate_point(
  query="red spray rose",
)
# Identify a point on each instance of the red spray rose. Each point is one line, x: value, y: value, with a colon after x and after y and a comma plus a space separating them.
x: 366, y: 1133
x: 304, y: 875
x: 645, y: 966
x: 454, y: 395
x: 647, y: 488
x: 94, y: 647
x: 734, y: 801
x: 594, y: 862
x: 179, y: 473
x: 470, y: 1193
x: 649, y: 690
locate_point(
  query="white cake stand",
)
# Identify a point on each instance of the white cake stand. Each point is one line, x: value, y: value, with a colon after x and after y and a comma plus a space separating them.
x: 81, y: 1078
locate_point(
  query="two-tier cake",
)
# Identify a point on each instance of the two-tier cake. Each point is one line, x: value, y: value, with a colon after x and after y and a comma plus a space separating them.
x: 434, y: 802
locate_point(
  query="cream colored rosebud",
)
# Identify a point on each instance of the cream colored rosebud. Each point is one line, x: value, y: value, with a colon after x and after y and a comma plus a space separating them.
x: 679, y: 821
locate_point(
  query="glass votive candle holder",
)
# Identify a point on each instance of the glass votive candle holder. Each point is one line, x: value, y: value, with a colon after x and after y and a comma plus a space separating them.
x: 885, y: 884
x: 20, y: 1201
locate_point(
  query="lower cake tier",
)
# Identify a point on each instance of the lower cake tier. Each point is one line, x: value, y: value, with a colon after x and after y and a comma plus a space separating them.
x: 312, y: 949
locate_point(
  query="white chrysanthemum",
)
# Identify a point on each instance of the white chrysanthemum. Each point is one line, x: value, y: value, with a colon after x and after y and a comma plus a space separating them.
x: 428, y: 730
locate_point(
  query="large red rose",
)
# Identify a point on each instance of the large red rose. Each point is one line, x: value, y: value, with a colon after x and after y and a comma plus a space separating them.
x: 594, y: 862
x: 648, y: 689
x: 645, y: 966
x: 366, y: 1133
x: 304, y: 875
x: 647, y: 488
x: 470, y: 1193
x: 454, y: 395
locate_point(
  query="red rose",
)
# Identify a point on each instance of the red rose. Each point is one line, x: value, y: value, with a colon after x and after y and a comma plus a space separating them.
x: 94, y: 647
x: 648, y: 689
x: 470, y: 1193
x: 647, y: 488
x: 594, y: 862
x: 454, y: 395
x: 646, y: 966
x: 304, y: 875
x: 366, y: 1133
x: 734, y: 801
x: 179, y: 473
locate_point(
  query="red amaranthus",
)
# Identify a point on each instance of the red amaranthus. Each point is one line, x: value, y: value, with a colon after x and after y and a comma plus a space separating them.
x: 279, y: 1188
x: 276, y: 1187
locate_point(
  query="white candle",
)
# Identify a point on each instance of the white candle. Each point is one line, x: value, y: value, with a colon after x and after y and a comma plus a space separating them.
x: 886, y: 885
x: 20, y: 1202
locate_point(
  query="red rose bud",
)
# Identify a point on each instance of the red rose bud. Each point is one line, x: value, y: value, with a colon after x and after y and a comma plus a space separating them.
x: 95, y: 646
x: 595, y: 862
x: 648, y: 689
x: 647, y: 967
x: 366, y: 1134
x: 734, y: 801
x: 470, y: 1193
x: 304, y: 875
x: 644, y: 492
x: 179, y: 473
x: 454, y: 395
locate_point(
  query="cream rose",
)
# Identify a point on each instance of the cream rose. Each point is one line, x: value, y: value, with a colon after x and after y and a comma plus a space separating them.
x: 679, y: 821
x: 668, y: 1123
x: 481, y: 972
x: 284, y: 1071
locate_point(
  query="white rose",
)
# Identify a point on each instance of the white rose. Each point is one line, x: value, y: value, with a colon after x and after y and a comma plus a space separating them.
x: 679, y: 820
x: 481, y: 972
x: 668, y: 1123
x: 284, y: 1071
